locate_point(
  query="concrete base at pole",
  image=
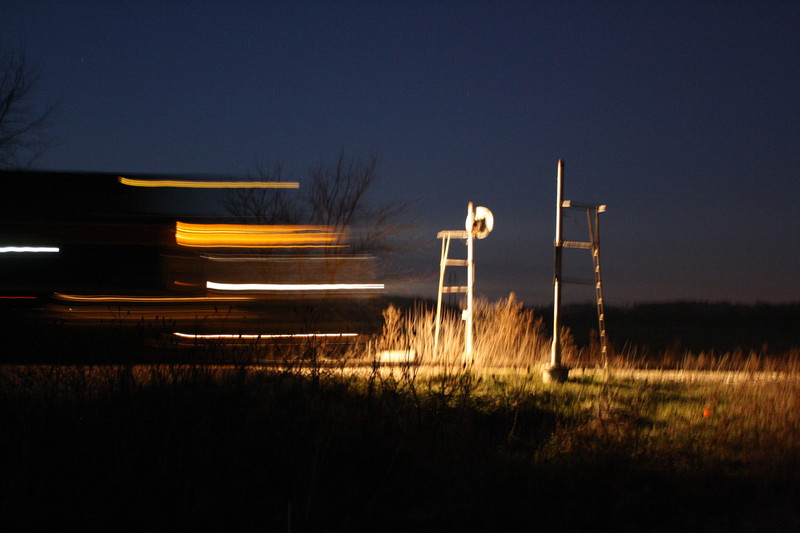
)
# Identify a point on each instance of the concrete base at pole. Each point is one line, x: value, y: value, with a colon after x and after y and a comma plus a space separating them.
x: 555, y: 374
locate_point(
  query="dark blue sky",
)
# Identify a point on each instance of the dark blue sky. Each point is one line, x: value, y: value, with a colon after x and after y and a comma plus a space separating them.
x: 683, y: 117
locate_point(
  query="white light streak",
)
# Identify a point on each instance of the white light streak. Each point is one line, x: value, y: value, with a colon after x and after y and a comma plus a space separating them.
x: 29, y: 249
x: 261, y: 335
x: 293, y: 286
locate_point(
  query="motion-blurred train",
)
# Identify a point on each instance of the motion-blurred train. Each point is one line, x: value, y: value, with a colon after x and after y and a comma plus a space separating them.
x: 98, y: 248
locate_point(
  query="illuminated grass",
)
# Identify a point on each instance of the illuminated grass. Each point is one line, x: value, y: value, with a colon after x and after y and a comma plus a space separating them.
x: 245, y: 447
x: 329, y: 441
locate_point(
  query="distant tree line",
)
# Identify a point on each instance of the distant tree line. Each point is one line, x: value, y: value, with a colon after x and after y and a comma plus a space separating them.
x: 687, y: 325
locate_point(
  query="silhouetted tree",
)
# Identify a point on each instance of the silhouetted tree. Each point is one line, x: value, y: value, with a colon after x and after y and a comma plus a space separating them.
x: 335, y: 194
x: 22, y: 121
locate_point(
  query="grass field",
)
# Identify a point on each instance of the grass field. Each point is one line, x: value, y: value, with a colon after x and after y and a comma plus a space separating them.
x: 433, y: 446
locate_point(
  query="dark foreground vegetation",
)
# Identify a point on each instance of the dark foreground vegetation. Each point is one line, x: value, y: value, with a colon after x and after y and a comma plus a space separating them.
x: 246, y: 449
x: 120, y: 428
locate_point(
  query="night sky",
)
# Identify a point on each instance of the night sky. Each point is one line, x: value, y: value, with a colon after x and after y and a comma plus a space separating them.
x: 682, y: 117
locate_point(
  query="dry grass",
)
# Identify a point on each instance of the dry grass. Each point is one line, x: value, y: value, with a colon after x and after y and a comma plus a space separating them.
x: 344, y: 447
x: 506, y: 335
x: 346, y: 450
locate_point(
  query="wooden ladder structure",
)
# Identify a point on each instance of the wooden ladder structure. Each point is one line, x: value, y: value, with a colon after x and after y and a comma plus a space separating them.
x: 556, y: 371
x: 593, y: 245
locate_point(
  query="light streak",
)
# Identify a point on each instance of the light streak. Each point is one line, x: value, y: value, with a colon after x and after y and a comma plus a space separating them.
x: 29, y: 249
x: 293, y: 286
x: 283, y: 258
x: 262, y: 335
x: 198, y: 184
x: 17, y: 297
x: 257, y: 236
x: 149, y: 299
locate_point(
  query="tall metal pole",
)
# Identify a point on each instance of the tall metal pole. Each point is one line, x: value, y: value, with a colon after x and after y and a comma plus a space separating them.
x: 556, y: 372
x: 555, y: 350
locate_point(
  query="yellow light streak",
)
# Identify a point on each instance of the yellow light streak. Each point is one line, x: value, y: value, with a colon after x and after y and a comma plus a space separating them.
x: 148, y: 299
x: 29, y: 249
x: 198, y: 184
x: 262, y: 335
x: 257, y: 236
x: 293, y: 286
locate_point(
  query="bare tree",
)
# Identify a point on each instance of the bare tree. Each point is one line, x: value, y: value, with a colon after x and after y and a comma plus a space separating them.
x: 22, y: 120
x: 338, y: 196
x: 335, y: 194
x: 264, y: 206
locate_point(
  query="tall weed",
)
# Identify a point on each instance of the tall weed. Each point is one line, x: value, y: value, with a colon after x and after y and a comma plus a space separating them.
x: 505, y: 333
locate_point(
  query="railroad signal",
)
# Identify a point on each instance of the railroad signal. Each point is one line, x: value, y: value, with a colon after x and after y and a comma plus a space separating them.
x: 478, y: 225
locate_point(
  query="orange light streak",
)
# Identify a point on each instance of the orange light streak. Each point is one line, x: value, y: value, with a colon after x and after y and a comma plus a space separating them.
x: 257, y: 236
x: 198, y: 184
x: 148, y: 299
